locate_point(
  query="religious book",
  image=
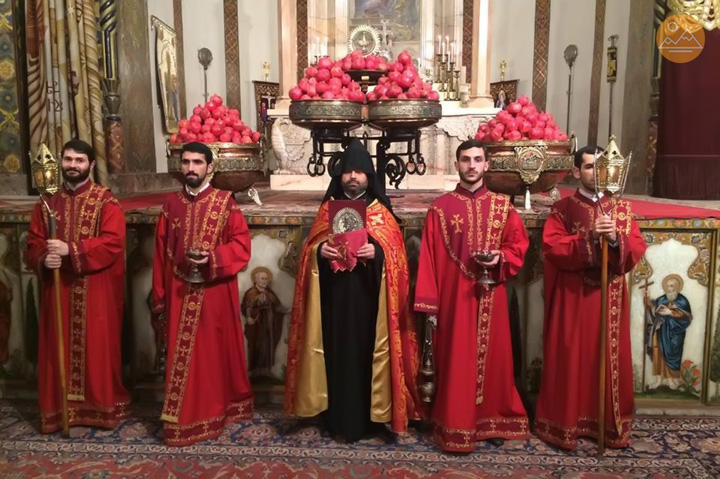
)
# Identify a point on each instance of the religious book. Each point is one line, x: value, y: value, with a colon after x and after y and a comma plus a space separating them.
x: 347, y: 223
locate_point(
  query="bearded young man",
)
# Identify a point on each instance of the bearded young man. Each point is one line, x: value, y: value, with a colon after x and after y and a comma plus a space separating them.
x: 201, y: 242
x: 567, y: 406
x: 476, y: 397
x: 90, y: 253
x: 353, y: 349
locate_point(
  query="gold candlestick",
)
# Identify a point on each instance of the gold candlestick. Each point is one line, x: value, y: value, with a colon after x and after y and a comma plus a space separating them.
x: 266, y: 71
x: 443, y: 73
x: 450, y: 92
x: 456, y: 91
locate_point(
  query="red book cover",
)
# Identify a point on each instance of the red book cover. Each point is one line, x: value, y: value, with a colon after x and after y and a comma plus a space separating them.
x: 347, y: 223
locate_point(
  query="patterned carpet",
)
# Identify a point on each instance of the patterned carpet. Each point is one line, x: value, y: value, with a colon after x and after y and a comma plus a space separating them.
x: 664, y: 448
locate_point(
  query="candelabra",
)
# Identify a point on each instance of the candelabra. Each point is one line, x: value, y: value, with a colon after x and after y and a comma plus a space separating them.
x: 447, y: 77
x: 440, y: 63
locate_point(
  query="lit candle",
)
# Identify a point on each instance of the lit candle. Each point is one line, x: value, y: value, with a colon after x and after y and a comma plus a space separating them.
x: 452, y: 52
x: 438, y: 47
x: 447, y: 43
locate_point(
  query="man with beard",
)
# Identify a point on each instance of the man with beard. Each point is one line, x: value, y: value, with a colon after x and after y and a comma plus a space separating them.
x: 201, y: 243
x: 476, y: 397
x: 567, y: 406
x: 89, y: 251
x: 353, y: 348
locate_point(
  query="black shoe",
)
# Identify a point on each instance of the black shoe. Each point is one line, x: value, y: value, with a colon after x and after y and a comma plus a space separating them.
x: 384, y: 433
x: 388, y: 437
x: 422, y: 426
x: 496, y: 441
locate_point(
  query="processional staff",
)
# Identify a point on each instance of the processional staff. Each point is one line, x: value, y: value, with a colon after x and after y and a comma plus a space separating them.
x: 46, y: 176
x: 611, y: 170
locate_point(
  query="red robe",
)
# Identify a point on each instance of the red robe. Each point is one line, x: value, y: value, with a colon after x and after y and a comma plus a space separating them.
x: 92, y: 277
x: 567, y: 404
x: 476, y: 397
x: 206, y: 384
x: 396, y: 360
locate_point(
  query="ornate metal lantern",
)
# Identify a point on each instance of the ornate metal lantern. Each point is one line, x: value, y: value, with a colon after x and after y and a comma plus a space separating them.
x: 611, y: 169
x: 45, y: 171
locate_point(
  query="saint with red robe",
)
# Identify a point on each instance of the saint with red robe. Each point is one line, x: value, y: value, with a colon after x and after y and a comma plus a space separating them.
x: 567, y: 406
x: 353, y: 356
x: 206, y: 384
x: 89, y: 252
x: 476, y: 398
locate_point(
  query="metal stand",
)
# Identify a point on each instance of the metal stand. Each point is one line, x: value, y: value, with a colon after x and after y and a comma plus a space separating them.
x: 390, y: 166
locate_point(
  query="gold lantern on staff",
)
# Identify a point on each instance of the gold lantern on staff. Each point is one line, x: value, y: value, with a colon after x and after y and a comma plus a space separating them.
x: 45, y: 171
x: 611, y: 169
x: 46, y: 176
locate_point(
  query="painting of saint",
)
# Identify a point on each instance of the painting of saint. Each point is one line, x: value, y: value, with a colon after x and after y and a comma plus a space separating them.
x: 404, y: 16
x: 667, y: 320
x: 167, y: 75
x: 264, y: 321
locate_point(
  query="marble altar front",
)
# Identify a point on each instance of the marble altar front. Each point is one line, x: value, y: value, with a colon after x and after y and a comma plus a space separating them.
x: 292, y: 146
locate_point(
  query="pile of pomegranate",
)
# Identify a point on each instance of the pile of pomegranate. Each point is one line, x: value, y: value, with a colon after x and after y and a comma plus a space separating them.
x: 330, y: 80
x: 521, y: 121
x: 214, y: 122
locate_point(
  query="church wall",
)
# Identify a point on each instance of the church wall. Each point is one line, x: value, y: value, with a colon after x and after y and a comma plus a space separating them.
x: 512, y: 27
x: 637, y: 111
x: 571, y: 22
x: 258, y: 41
x: 203, y: 27
x: 617, y: 15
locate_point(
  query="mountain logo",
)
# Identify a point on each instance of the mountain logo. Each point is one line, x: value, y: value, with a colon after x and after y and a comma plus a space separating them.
x: 680, y: 38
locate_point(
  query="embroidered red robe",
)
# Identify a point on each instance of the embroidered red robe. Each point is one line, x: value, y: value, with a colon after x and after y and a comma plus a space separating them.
x: 92, y: 276
x: 567, y: 405
x: 206, y: 384
x: 476, y: 397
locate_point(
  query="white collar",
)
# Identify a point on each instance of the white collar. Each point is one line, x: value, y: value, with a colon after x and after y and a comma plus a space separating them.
x: 357, y: 197
x: 203, y: 188
x: 591, y: 195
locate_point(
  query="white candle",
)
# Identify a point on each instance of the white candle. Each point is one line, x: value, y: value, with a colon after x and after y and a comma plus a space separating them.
x: 438, y: 46
x: 447, y: 43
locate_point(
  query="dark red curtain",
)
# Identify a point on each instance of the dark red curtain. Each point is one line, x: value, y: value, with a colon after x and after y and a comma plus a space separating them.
x: 688, y: 153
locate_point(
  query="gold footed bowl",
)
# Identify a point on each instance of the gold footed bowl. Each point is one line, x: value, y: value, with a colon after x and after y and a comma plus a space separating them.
x: 404, y: 113
x: 527, y: 166
x: 237, y: 165
x: 326, y: 114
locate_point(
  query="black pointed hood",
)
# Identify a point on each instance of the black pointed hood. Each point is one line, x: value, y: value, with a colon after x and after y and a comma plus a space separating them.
x: 356, y: 158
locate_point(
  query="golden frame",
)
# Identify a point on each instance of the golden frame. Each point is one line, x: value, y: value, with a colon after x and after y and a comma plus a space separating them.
x: 266, y: 94
x: 508, y: 88
x: 167, y: 75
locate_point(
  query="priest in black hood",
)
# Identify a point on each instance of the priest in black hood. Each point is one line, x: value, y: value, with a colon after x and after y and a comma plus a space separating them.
x: 353, y: 353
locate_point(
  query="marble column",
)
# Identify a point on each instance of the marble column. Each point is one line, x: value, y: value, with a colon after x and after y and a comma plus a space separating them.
x: 480, y: 77
x: 287, y: 29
